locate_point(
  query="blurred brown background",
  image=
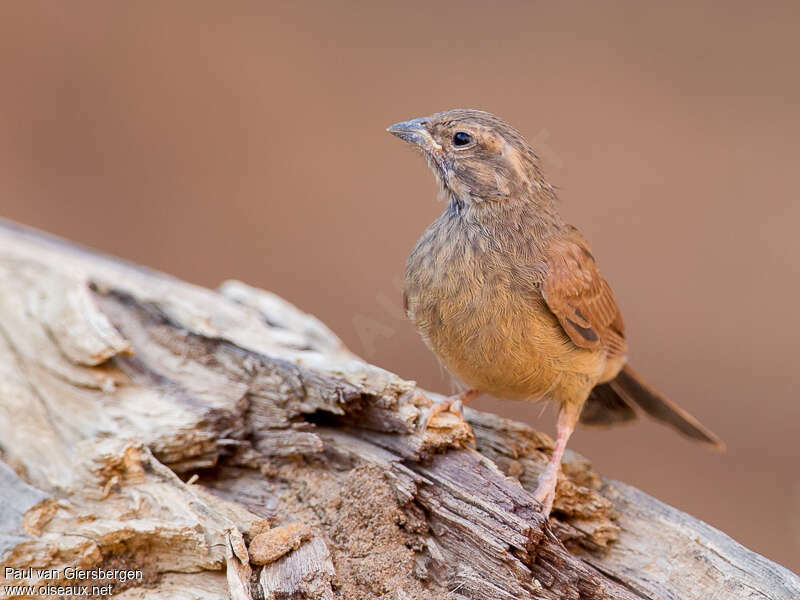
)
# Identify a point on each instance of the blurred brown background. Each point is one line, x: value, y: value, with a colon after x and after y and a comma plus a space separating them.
x: 246, y: 140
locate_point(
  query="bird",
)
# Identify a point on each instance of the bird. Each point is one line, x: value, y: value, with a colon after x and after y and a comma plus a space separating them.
x: 509, y: 297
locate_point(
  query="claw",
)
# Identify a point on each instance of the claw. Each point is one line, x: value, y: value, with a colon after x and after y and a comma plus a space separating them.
x: 546, y: 490
x: 453, y: 404
x: 437, y: 408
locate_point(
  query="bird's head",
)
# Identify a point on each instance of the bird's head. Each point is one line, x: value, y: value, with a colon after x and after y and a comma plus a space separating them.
x: 475, y: 156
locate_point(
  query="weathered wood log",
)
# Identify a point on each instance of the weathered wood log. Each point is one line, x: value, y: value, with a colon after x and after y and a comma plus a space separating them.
x: 178, y: 442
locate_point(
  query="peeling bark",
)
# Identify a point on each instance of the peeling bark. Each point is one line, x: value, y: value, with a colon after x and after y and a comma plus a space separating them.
x: 225, y: 444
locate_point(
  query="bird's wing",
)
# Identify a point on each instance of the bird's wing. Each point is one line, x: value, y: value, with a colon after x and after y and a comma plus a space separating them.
x: 580, y: 298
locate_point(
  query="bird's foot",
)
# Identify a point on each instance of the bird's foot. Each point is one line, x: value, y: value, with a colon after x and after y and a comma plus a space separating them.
x: 453, y: 404
x: 546, y: 490
x: 548, y: 480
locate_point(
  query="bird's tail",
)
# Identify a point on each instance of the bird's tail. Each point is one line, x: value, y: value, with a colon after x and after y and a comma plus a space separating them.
x: 615, y: 402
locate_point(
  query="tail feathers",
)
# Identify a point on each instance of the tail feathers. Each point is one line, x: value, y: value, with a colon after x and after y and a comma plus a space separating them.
x: 613, y: 402
x: 606, y: 407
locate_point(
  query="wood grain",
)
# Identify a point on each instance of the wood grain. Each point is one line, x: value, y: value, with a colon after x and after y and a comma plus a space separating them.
x: 119, y: 383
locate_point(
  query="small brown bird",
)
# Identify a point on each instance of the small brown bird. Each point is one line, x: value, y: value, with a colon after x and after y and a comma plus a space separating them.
x: 509, y: 297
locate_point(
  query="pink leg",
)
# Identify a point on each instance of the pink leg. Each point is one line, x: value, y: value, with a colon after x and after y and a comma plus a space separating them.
x: 546, y: 491
x: 452, y: 404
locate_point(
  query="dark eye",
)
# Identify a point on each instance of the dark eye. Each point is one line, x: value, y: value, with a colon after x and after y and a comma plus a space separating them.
x: 461, y: 138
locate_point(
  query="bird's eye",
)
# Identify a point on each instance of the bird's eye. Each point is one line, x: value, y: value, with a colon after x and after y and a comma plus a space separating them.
x: 461, y: 138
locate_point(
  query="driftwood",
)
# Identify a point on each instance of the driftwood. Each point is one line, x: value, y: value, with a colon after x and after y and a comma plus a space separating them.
x: 213, y: 444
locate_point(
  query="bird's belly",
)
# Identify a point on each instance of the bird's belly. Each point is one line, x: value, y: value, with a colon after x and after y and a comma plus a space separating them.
x: 507, y: 347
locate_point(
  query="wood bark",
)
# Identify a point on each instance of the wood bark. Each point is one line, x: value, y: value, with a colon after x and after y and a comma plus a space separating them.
x: 223, y: 444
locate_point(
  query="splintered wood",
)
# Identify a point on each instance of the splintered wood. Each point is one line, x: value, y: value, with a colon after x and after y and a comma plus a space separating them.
x: 223, y: 444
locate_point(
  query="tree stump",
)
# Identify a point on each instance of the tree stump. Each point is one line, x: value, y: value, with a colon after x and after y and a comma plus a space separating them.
x: 162, y: 440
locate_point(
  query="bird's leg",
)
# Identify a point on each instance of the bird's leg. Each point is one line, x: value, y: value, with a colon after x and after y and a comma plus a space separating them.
x: 452, y: 404
x: 546, y: 491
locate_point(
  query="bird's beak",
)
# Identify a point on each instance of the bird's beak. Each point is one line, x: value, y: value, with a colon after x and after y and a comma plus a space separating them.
x: 415, y: 132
